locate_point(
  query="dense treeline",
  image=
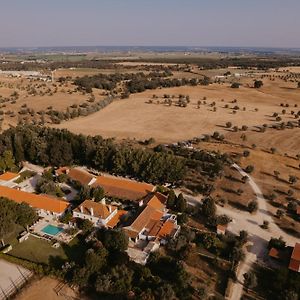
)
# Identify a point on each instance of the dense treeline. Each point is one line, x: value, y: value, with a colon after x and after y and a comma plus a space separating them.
x: 47, y: 146
x: 33, y: 66
x: 208, y: 163
x: 261, y: 62
x: 12, y: 214
x: 133, y: 82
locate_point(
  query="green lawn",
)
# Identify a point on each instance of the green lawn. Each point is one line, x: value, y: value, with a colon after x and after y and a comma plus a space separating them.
x: 37, y: 250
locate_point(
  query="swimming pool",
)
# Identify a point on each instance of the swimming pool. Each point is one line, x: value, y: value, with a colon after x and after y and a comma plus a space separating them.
x: 52, y: 230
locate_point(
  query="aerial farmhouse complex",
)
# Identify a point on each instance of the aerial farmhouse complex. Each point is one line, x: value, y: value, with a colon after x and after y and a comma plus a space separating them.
x: 150, y: 223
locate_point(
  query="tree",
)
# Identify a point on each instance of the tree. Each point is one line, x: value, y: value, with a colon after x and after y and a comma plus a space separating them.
x: 252, y: 206
x: 277, y: 243
x: 292, y: 206
x: 243, y: 237
x: 113, y: 240
x: 171, y: 199
x: 298, y: 85
x: 292, y: 179
x: 258, y: 84
x: 97, y: 193
x: 12, y: 213
x: 276, y: 174
x: 209, y: 207
x: 181, y: 204
x: 7, y: 161
x: 250, y: 280
x: 228, y: 124
x: 246, y: 153
x: 25, y: 215
x: 85, y: 225
x: 249, y: 169
x: 279, y: 213
x: 235, y: 85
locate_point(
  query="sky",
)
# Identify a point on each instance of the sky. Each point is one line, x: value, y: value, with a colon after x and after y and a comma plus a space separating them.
x: 242, y: 23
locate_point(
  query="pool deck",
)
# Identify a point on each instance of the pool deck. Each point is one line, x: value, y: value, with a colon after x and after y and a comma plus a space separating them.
x: 37, y: 229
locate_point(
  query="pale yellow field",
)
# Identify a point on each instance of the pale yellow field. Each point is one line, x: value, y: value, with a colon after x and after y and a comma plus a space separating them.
x: 134, y: 118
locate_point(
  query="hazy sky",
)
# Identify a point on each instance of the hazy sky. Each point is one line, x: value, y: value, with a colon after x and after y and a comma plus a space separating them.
x: 150, y: 22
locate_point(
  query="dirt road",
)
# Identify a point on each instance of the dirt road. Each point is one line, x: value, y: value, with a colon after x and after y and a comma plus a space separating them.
x: 258, y: 237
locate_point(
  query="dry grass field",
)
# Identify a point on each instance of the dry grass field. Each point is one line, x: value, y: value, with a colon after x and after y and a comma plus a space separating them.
x: 45, y: 289
x: 135, y: 118
x: 37, y: 96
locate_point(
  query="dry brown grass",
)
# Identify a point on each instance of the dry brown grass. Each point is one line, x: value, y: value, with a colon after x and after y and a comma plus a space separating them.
x: 134, y: 118
x: 44, y: 289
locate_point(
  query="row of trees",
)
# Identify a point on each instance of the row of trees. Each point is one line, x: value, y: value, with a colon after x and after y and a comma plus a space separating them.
x: 46, y: 146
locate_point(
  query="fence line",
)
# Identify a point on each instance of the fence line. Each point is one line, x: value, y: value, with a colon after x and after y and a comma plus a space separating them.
x: 15, y: 285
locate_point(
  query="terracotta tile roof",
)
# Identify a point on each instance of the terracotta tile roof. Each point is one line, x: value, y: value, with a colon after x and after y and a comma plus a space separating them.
x: 222, y: 227
x: 167, y: 229
x: 80, y: 176
x: 294, y: 265
x: 62, y: 170
x: 7, y: 176
x: 36, y: 201
x: 274, y: 253
x: 100, y: 210
x: 157, y: 201
x: 123, y: 188
x: 143, y: 218
x: 113, y: 222
x: 296, y: 252
x: 154, y: 227
x: 295, y: 259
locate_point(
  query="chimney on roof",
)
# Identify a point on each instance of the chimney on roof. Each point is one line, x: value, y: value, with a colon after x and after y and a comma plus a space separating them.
x: 103, y: 201
x: 81, y: 209
x: 109, y: 208
x: 92, y: 211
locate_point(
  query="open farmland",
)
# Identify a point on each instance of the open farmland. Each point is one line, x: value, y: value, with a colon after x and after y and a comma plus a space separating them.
x: 137, y: 118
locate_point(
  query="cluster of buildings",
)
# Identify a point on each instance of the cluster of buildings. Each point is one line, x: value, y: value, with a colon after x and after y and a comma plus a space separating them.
x: 151, y: 223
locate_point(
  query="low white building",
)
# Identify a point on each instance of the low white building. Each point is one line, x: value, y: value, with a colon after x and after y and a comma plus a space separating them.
x: 97, y: 212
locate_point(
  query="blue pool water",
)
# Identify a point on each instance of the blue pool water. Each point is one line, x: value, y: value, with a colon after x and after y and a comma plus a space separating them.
x: 52, y: 230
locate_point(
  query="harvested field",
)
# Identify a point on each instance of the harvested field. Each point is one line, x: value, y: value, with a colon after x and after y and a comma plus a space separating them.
x: 135, y: 118
x: 285, y: 141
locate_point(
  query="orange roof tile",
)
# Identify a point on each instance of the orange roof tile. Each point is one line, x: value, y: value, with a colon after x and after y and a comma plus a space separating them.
x: 221, y: 227
x: 113, y: 222
x: 294, y: 265
x: 274, y: 253
x: 153, y: 227
x: 143, y: 218
x: 62, y: 170
x: 167, y: 229
x: 36, y: 201
x: 123, y: 188
x: 157, y: 201
x: 296, y: 252
x: 100, y: 210
x: 7, y: 176
x: 80, y: 176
